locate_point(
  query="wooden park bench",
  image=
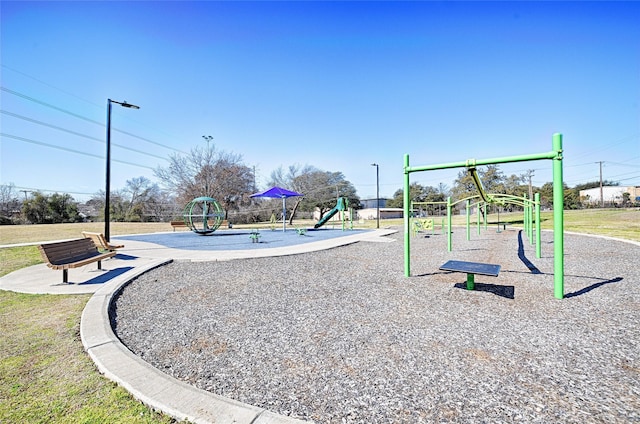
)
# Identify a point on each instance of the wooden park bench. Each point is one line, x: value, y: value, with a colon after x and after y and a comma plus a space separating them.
x: 471, y: 268
x: 72, y: 254
x: 503, y: 225
x: 101, y: 242
x: 177, y: 224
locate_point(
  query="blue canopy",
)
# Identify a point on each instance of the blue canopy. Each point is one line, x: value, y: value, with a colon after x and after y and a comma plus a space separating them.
x: 277, y: 193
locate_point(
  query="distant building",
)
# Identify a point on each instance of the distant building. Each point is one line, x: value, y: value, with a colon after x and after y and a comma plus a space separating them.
x: 611, y: 194
x: 385, y: 213
x: 371, y: 203
x: 369, y: 210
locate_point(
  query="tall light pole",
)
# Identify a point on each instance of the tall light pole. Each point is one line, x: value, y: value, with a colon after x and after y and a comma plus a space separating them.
x: 208, y: 139
x: 107, y: 204
x: 377, y: 193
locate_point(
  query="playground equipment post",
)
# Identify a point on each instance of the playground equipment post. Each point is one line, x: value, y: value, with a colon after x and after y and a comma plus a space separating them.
x: 558, y: 202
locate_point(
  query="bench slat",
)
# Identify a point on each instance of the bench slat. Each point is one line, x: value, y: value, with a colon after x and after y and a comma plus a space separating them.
x: 72, y: 254
x: 100, y: 241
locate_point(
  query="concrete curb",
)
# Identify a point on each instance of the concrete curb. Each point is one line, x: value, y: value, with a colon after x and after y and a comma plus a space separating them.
x: 154, y: 388
x: 161, y: 391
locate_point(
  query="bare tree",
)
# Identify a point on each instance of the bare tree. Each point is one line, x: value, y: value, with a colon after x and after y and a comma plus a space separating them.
x: 211, y: 173
x: 9, y: 202
x: 320, y: 188
x: 139, y: 201
x: 295, y: 179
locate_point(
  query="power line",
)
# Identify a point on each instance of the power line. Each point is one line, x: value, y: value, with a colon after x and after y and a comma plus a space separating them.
x: 31, y: 99
x: 41, y: 143
x: 636, y: 165
x: 48, y: 85
x: 32, y: 190
x: 607, y: 146
x: 79, y: 134
x: 24, y: 96
x: 69, y: 94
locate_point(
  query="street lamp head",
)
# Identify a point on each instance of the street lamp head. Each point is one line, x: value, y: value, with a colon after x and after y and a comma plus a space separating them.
x: 130, y: 106
x: 124, y: 104
x: 374, y: 164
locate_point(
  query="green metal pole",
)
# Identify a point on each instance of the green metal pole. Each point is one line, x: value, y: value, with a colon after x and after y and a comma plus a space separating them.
x: 449, y: 244
x: 468, y: 219
x: 406, y: 204
x: 527, y: 217
x: 486, y: 218
x: 558, y: 219
x: 470, y: 281
x: 524, y: 214
x: 481, y: 162
x: 538, y: 244
x: 478, y: 217
x: 531, y: 222
x: 205, y: 212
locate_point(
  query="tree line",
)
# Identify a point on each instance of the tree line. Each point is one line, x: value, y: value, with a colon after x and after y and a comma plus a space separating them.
x: 202, y: 172
x: 223, y: 176
x: 496, y: 182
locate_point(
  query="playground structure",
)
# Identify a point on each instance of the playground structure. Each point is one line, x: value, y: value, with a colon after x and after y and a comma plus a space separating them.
x: 203, y: 215
x: 426, y: 223
x: 342, y: 205
x: 528, y: 205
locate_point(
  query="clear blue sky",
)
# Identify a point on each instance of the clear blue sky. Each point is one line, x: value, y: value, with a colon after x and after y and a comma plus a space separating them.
x: 336, y: 85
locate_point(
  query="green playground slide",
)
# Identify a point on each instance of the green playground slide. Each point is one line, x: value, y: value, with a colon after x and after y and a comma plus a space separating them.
x: 341, y: 205
x: 327, y: 217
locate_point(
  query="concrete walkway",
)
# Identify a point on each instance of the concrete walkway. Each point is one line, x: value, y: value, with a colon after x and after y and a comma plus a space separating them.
x: 156, y: 389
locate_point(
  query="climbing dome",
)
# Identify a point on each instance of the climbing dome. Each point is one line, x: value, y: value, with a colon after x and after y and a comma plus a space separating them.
x: 203, y: 215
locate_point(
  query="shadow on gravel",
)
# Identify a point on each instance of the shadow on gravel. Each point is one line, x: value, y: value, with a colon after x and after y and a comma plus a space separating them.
x: 592, y: 287
x: 426, y: 274
x: 534, y: 269
x: 508, y: 292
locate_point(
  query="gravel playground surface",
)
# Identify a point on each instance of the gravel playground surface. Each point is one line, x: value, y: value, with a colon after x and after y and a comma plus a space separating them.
x: 341, y: 336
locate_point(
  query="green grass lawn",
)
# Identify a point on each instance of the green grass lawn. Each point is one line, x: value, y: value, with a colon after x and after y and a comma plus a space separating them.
x: 45, y: 375
x: 619, y: 223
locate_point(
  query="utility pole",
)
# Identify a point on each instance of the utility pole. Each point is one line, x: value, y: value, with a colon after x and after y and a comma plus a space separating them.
x: 601, y: 195
x: 530, y: 173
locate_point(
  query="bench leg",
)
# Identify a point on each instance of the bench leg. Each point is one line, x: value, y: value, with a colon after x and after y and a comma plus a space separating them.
x: 99, y: 264
x: 470, y: 281
x: 65, y: 275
